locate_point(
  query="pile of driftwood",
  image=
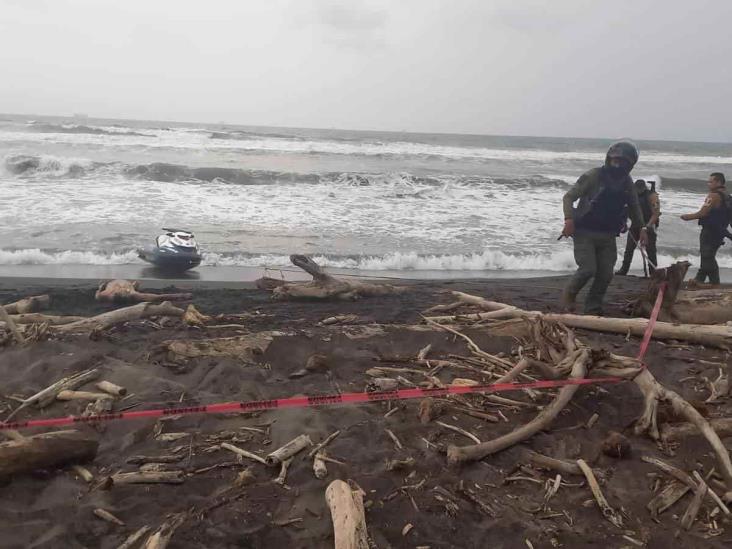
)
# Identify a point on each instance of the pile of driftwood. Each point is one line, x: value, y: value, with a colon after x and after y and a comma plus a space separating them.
x: 548, y: 348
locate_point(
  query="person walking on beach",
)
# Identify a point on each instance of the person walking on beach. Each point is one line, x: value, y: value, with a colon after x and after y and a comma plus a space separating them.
x: 714, y: 218
x: 651, y: 209
x: 603, y: 193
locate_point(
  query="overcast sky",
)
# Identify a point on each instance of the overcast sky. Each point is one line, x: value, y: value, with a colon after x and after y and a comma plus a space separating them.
x: 640, y: 68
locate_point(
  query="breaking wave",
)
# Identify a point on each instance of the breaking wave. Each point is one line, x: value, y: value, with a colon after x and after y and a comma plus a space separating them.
x: 81, y: 129
x: 24, y: 164
x: 486, y: 261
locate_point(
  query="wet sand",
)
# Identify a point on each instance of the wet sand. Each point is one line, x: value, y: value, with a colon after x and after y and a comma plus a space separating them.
x: 54, y: 508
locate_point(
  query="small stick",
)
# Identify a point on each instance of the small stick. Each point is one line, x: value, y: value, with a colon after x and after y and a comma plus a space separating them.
x: 111, y: 388
x: 713, y: 495
x: 47, y: 396
x: 149, y: 477
x: 682, y: 477
x: 693, y: 510
x: 287, y: 522
x: 83, y: 472
x: 243, y: 453
x: 559, y: 465
x: 161, y: 537
x: 132, y: 540
x: 463, y: 432
x: 323, y: 444
x: 284, y: 466
x: 140, y: 460
x: 319, y: 468
x: 591, y: 422
x: 608, y: 512
x: 171, y: 437
x: 398, y: 464
x: 10, y: 323
x: 331, y: 460
x: 296, y: 445
x: 109, y: 517
x: 81, y: 395
x: 394, y: 438
x: 422, y: 354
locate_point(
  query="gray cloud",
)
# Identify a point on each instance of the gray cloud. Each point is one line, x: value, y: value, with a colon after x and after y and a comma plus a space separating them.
x: 566, y: 67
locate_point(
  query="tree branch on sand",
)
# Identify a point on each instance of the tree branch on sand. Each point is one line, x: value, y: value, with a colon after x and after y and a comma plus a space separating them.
x: 554, y: 343
x: 126, y: 291
x: 323, y: 285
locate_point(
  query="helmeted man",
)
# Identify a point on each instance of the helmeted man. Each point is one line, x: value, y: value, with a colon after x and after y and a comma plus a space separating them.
x: 604, y: 194
x: 651, y: 209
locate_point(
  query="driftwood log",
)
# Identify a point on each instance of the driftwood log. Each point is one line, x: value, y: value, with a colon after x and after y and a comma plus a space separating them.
x: 244, y: 347
x: 323, y: 285
x: 120, y: 316
x: 45, y: 451
x: 126, y: 291
x: 29, y: 305
x: 348, y: 515
x: 683, y: 306
x: 712, y: 335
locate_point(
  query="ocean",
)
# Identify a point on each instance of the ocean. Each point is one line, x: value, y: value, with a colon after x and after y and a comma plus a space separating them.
x: 87, y: 192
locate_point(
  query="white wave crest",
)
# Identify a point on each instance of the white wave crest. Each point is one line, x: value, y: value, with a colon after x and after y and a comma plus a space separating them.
x: 36, y: 256
x: 489, y: 260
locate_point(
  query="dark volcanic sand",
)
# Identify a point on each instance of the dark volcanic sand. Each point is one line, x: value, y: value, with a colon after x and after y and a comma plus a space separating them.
x: 54, y: 508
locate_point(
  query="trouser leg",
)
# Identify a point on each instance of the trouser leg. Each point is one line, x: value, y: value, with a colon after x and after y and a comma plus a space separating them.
x: 584, y: 256
x: 606, y: 253
x: 708, y: 246
x: 651, y: 250
x: 629, y: 251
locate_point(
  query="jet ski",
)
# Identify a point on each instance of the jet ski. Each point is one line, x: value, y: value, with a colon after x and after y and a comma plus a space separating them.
x: 176, y: 250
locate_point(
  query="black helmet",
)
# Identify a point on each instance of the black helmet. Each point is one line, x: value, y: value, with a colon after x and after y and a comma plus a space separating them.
x: 625, y: 150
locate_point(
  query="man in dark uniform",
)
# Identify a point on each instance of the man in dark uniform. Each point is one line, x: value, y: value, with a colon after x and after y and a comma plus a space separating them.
x: 651, y: 209
x: 714, y: 218
x: 603, y: 195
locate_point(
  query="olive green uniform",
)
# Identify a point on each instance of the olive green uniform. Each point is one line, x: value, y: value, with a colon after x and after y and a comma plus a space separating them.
x: 598, y: 219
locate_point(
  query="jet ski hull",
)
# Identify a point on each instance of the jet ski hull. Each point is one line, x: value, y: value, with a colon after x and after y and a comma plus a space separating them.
x: 167, y: 260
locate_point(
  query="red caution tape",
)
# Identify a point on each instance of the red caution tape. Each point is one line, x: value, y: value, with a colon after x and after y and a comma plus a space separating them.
x: 336, y: 399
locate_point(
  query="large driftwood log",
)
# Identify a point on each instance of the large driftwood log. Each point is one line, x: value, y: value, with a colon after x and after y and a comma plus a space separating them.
x: 679, y: 306
x: 244, y: 347
x: 324, y: 286
x: 37, y: 318
x: 349, y: 518
x: 677, y: 431
x: 29, y: 305
x: 126, y: 291
x: 5, y: 317
x: 45, y: 451
x: 713, y: 336
x: 120, y: 316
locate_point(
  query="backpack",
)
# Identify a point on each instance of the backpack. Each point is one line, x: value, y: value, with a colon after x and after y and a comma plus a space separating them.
x: 726, y: 218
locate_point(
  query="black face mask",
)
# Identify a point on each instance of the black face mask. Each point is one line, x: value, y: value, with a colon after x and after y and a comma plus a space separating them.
x: 616, y: 172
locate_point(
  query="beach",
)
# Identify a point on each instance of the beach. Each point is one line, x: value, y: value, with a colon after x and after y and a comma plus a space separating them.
x: 53, y: 508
